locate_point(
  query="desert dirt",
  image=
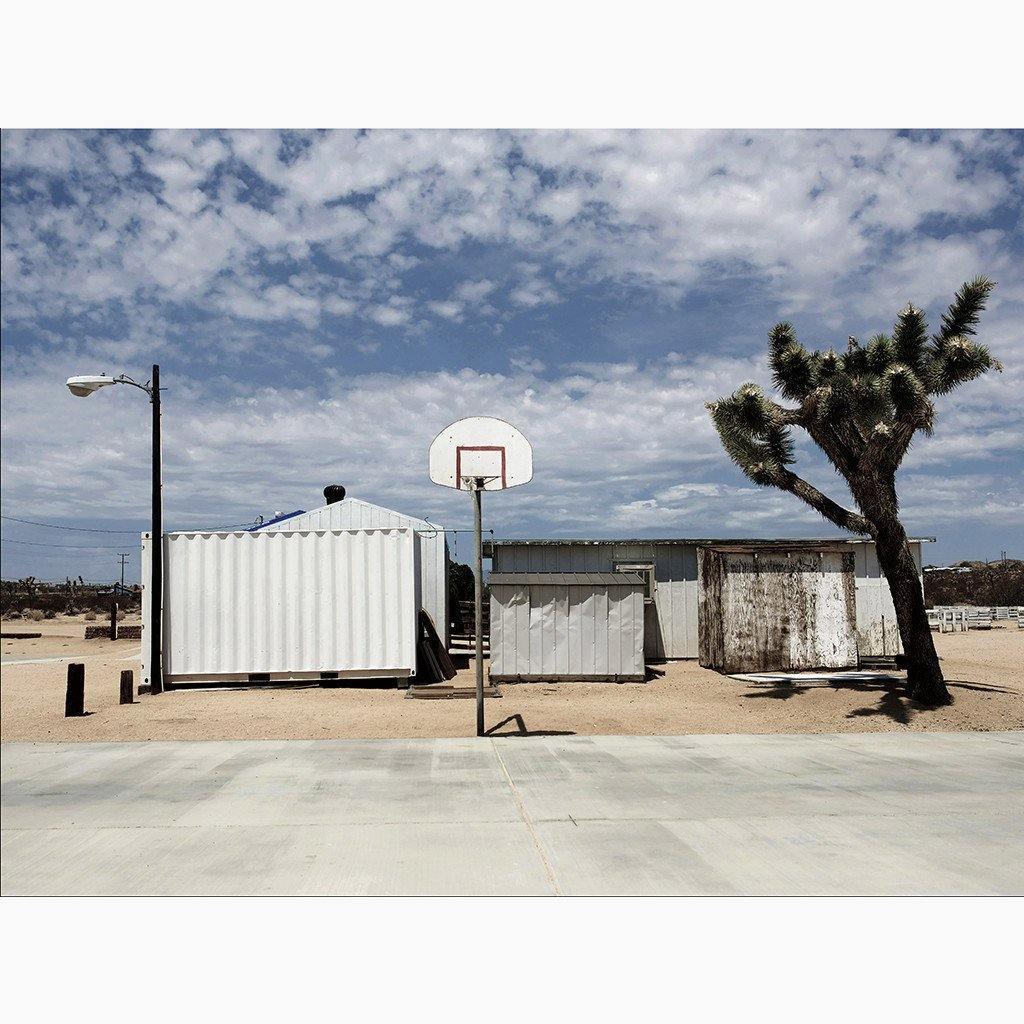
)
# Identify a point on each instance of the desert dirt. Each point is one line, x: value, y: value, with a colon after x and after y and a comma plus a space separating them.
x: 984, y: 670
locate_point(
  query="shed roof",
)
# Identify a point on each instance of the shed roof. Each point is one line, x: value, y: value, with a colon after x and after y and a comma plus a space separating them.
x: 565, y: 579
x: 760, y: 542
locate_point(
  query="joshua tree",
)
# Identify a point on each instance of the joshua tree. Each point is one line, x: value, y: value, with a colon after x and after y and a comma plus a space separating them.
x: 862, y: 408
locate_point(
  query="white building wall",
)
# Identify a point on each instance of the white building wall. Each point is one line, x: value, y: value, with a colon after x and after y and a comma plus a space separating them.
x: 877, y: 630
x: 354, y: 514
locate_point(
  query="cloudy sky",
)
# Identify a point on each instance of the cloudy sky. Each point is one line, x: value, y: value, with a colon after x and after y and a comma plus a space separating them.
x: 321, y: 304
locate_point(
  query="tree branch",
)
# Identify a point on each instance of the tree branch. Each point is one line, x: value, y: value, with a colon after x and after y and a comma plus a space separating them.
x: 821, y: 503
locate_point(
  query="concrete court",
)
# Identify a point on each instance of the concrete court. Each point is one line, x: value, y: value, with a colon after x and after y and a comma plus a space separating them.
x: 879, y: 813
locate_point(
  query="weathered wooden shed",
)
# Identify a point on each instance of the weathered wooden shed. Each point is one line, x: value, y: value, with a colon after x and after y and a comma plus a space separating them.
x: 565, y: 626
x: 669, y: 568
x: 770, y: 609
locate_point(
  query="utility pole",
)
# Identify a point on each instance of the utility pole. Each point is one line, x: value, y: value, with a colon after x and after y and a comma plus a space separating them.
x: 123, y: 556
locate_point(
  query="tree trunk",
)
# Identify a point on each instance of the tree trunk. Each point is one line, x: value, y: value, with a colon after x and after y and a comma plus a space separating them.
x: 924, y: 674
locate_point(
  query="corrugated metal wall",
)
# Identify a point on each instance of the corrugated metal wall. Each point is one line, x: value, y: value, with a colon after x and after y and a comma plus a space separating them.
x: 354, y: 514
x: 290, y: 603
x: 673, y: 618
x: 593, y: 632
x: 671, y: 621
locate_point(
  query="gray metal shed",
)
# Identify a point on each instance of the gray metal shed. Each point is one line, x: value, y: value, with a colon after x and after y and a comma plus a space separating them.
x: 567, y: 626
x: 671, y: 572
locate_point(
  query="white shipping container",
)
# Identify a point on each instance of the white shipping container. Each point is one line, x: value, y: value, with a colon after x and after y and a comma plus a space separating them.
x: 354, y: 514
x: 288, y: 604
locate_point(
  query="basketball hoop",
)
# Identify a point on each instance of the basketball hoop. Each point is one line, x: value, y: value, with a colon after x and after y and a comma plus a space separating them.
x: 477, y: 454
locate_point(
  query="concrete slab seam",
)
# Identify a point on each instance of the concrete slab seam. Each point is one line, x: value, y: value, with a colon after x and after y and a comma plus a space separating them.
x: 521, y: 807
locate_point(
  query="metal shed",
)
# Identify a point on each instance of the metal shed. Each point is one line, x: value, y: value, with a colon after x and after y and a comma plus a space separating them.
x: 306, y: 604
x: 670, y: 567
x: 354, y: 514
x: 565, y: 626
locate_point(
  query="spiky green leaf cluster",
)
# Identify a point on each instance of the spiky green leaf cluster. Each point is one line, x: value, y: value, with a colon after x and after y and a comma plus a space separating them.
x: 748, y: 424
x: 887, y: 383
x: 869, y: 397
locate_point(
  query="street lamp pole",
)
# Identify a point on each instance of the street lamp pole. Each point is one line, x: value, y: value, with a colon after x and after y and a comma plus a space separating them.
x: 156, y: 548
x: 83, y: 387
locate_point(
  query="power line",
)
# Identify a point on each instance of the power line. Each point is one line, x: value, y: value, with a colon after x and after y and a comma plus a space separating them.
x: 54, y: 526
x: 135, y: 533
x: 66, y: 547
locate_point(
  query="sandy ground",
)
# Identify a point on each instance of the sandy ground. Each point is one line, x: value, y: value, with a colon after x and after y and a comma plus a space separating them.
x: 984, y: 669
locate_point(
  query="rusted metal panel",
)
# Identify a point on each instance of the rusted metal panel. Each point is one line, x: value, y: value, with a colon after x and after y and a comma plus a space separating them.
x: 777, y: 610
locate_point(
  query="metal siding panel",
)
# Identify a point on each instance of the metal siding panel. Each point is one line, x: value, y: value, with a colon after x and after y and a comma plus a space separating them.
x: 577, y: 628
x: 497, y: 610
x: 603, y: 633
x: 354, y: 514
x: 561, y: 631
x: 784, y: 610
x: 291, y: 602
x: 615, y: 625
x: 673, y: 631
x: 561, y: 617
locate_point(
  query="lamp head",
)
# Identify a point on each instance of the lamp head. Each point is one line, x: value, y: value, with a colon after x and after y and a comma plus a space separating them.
x: 84, y: 386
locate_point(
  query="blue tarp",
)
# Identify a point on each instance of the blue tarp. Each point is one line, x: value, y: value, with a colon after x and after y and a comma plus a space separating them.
x: 276, y: 519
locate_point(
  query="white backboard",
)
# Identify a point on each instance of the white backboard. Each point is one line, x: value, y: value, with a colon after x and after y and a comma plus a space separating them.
x: 481, y: 448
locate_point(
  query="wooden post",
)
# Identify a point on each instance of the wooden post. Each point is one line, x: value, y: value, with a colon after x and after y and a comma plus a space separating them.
x: 127, y: 686
x: 74, y: 701
x: 113, y: 619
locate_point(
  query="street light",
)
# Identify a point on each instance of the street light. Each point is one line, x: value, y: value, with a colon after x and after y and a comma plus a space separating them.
x: 83, y: 387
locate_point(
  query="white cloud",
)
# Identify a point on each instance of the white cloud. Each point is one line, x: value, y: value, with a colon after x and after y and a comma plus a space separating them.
x: 474, y: 291
x: 258, y: 236
x: 449, y: 309
x: 389, y: 316
x: 618, y: 448
x: 806, y: 212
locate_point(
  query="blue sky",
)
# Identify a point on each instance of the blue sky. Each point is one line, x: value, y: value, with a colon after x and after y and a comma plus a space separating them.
x: 322, y: 303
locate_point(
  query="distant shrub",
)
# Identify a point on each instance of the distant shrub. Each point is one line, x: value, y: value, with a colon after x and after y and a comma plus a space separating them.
x: 35, y: 614
x: 14, y: 614
x: 50, y: 613
x: 90, y: 616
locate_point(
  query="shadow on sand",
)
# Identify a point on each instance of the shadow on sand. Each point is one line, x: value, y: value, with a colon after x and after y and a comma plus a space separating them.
x: 893, y: 701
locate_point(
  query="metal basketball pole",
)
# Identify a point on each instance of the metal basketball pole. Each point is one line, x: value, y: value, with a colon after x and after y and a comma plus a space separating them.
x: 479, y: 594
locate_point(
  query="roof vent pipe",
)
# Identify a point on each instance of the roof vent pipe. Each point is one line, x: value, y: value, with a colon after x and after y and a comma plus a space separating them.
x: 334, y: 493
